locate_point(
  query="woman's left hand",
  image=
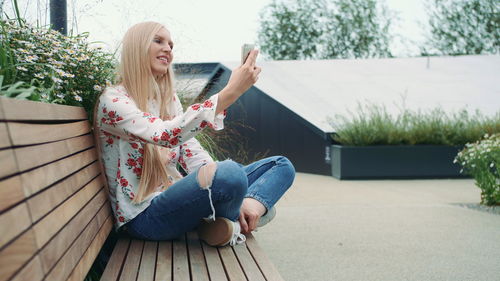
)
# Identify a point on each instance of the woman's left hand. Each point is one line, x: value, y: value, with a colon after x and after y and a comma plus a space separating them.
x: 250, y: 212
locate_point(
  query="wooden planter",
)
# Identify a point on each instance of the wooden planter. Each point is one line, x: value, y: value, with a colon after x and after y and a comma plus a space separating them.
x: 395, y: 161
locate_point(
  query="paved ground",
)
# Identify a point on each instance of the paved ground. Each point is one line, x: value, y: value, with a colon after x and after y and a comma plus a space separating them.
x: 327, y: 229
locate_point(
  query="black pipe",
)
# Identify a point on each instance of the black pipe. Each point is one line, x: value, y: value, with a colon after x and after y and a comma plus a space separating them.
x: 58, y: 16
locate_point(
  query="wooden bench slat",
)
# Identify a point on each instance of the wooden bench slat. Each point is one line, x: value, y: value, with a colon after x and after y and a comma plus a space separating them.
x: 70, y: 259
x: 164, y: 261
x: 114, y: 266
x: 148, y: 261
x: 58, y: 245
x: 45, y: 201
x: 11, y: 192
x: 4, y: 136
x: 49, y: 152
x: 265, y: 265
x: 14, y: 109
x: 132, y: 262
x: 214, y: 263
x: 90, y: 255
x: 26, y: 133
x: 13, y: 223
x: 180, y: 265
x: 32, y: 272
x: 231, y: 264
x: 52, y: 223
x: 250, y: 268
x: 16, y: 254
x: 9, y: 164
x: 196, y: 258
x: 36, y: 180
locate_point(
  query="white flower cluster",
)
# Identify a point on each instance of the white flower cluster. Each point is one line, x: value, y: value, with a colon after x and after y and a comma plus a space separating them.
x: 50, y: 60
x: 485, y: 152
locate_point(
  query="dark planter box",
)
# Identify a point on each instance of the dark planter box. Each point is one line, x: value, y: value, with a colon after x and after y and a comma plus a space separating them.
x: 395, y: 161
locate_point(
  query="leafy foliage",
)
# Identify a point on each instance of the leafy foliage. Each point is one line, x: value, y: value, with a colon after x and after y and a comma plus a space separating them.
x: 55, y: 68
x: 373, y: 125
x: 324, y: 29
x: 463, y: 27
x: 482, y: 160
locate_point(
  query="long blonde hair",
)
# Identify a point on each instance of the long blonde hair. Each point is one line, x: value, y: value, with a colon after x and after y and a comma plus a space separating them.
x: 136, y: 76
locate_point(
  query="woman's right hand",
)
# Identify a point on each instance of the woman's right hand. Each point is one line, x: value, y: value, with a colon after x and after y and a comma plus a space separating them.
x: 242, y: 78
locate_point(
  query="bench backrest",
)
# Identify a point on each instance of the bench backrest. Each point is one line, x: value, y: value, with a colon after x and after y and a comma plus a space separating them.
x: 54, y: 212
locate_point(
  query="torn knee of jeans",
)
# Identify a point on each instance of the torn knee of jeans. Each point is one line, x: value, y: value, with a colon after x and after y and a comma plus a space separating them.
x: 206, y: 175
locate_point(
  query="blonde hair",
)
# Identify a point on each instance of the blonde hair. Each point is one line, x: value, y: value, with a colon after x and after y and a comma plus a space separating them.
x: 136, y: 76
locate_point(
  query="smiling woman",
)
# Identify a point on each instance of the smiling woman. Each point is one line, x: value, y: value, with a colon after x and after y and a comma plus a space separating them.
x: 143, y: 134
x: 160, y: 52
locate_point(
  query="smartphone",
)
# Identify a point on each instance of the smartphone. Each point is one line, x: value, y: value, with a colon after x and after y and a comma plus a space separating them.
x: 245, y: 50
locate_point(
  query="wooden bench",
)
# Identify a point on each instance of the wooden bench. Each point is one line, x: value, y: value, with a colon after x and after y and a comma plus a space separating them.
x: 55, y: 216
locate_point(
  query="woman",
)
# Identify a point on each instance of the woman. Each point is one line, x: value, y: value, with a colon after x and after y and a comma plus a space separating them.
x: 144, y: 133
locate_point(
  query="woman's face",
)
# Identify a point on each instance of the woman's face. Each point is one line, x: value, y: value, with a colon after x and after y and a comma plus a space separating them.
x: 160, y: 52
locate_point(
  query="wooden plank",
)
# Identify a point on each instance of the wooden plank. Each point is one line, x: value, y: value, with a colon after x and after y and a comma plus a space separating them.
x: 48, y: 199
x: 58, y: 245
x: 37, y: 179
x: 16, y: 254
x: 14, y: 109
x: 148, y: 261
x: 265, y: 265
x: 70, y: 259
x: 11, y: 192
x: 9, y: 164
x: 27, y: 133
x: 133, y: 260
x: 50, y: 152
x: 164, y: 261
x: 90, y: 255
x: 115, y: 263
x: 4, y: 136
x: 52, y: 223
x: 180, y: 265
x: 233, y: 269
x: 2, y: 114
x: 214, y: 263
x: 196, y: 258
x: 13, y: 223
x: 32, y: 272
x: 250, y: 268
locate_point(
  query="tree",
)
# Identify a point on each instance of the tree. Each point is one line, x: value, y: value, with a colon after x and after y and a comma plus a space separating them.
x: 463, y: 27
x: 309, y: 29
x: 292, y: 31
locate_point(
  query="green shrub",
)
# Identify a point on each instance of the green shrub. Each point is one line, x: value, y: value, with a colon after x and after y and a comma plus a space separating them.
x: 57, y: 68
x: 481, y: 160
x: 373, y: 125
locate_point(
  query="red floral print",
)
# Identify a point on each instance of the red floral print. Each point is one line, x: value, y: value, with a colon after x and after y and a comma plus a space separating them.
x: 203, y: 124
x: 131, y: 162
x: 176, y: 131
x: 208, y: 104
x: 134, y: 145
x: 165, y: 136
x: 123, y: 182
x: 195, y: 106
x: 121, y: 218
x: 174, y: 141
x: 110, y: 141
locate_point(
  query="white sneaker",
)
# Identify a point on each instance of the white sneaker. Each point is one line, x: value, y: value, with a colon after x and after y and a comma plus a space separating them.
x: 220, y: 232
x: 269, y: 216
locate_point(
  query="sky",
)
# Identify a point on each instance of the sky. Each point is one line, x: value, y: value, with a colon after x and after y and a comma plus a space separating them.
x: 203, y: 31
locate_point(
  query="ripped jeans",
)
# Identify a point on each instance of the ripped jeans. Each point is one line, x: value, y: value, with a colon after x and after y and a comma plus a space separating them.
x: 181, y: 207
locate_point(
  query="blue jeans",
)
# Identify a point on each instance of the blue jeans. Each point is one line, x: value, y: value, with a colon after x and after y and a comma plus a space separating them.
x: 181, y: 207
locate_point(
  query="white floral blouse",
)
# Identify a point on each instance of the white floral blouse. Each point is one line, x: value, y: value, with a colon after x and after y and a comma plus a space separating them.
x: 124, y: 129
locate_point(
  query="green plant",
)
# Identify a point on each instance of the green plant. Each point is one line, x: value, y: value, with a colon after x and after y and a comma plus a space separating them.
x: 481, y: 160
x: 463, y: 27
x: 326, y: 29
x: 372, y: 124
x: 59, y: 69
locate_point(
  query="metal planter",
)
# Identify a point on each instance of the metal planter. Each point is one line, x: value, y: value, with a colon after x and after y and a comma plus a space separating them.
x: 394, y: 162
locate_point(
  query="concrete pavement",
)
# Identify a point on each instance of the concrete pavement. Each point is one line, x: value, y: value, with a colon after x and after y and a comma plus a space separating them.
x: 327, y: 229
